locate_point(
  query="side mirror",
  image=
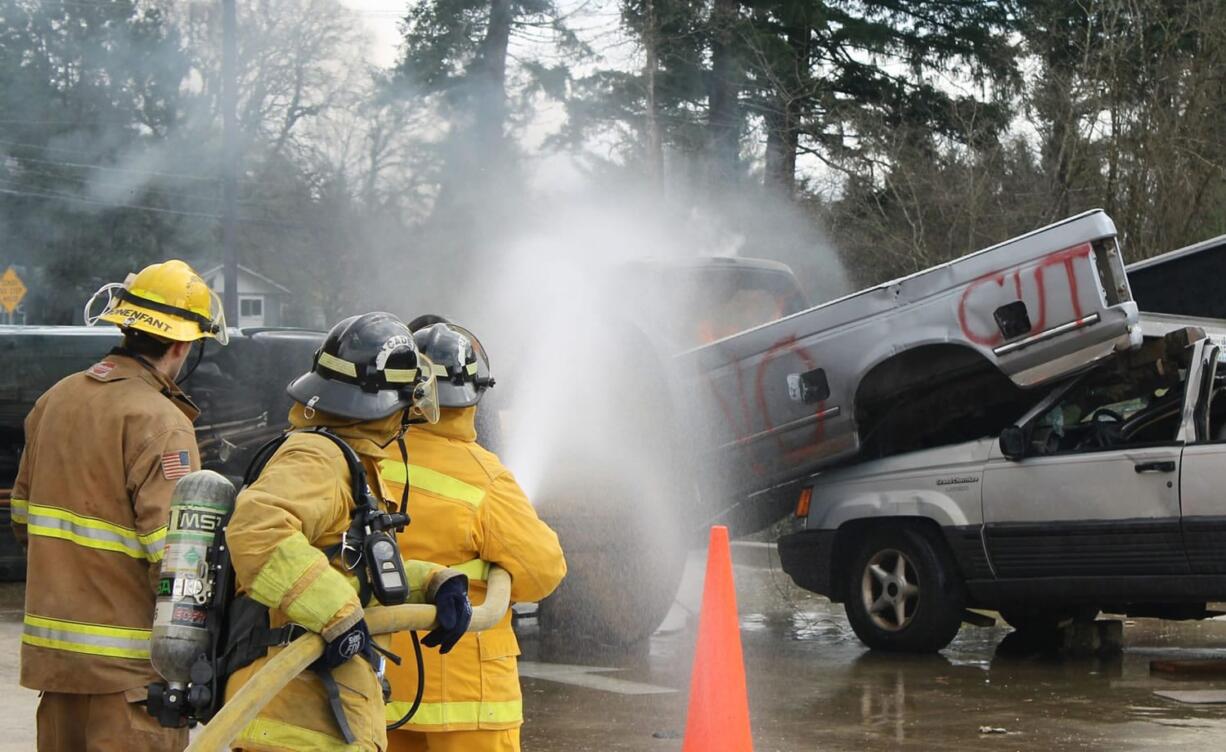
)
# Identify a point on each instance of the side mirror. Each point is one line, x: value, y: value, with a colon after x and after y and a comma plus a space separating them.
x: 1013, y: 442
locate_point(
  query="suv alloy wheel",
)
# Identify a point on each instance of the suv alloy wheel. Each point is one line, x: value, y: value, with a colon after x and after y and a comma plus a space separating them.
x: 903, y: 591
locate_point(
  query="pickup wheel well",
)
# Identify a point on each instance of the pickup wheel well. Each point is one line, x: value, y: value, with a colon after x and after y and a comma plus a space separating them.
x: 933, y: 395
x: 851, y: 535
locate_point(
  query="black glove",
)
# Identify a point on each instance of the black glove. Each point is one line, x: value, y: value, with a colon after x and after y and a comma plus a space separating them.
x: 353, y: 642
x: 454, y: 614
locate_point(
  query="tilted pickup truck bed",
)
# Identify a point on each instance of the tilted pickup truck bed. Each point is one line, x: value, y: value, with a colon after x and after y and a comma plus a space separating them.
x: 784, y: 399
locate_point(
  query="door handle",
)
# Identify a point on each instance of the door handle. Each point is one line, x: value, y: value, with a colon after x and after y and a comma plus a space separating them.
x: 1155, y: 467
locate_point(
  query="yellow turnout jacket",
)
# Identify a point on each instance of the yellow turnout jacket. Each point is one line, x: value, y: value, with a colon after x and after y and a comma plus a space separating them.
x: 468, y: 513
x: 299, y: 505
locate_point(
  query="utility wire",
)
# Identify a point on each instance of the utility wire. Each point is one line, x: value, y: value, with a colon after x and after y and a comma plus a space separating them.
x: 130, y: 171
x: 83, y: 165
x: 106, y: 204
x: 186, y: 176
x: 112, y: 123
x: 141, y: 189
x: 85, y: 182
x: 159, y: 210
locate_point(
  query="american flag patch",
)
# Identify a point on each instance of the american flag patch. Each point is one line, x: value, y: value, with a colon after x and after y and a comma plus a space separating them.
x: 175, y: 465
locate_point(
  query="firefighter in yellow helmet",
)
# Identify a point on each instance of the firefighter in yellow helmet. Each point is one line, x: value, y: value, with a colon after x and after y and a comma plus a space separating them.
x: 292, y: 537
x: 103, y: 450
x: 468, y: 513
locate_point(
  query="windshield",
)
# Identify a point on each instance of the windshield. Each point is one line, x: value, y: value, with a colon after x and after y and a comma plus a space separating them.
x: 723, y: 302
x: 1127, y: 401
x: 696, y: 304
x: 745, y: 308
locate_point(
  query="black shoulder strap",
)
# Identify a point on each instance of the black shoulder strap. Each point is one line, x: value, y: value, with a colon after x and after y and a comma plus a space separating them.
x: 261, y: 457
x: 363, y: 502
x: 334, y: 703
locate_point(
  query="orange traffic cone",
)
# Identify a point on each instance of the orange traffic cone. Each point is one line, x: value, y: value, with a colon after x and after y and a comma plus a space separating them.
x: 718, y: 719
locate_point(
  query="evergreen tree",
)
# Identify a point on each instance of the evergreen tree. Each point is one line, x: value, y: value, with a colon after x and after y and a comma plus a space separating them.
x: 459, y: 50
x: 810, y: 74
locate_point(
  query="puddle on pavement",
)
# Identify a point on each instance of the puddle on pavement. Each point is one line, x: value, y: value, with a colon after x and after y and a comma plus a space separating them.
x: 812, y: 685
x: 982, y: 680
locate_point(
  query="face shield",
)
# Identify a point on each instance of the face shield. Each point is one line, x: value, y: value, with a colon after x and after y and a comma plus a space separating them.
x: 115, y: 303
x: 218, y: 324
x: 425, y: 392
x: 480, y: 370
x: 461, y: 364
x: 104, y: 301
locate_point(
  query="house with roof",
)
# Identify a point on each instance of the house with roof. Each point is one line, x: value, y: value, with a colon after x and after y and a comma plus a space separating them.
x: 261, y: 301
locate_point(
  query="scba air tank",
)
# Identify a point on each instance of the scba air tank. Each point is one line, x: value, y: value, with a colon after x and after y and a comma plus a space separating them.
x: 199, y: 507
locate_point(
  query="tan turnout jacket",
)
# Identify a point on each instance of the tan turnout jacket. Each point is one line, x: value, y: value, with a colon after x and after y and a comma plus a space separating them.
x: 103, y: 450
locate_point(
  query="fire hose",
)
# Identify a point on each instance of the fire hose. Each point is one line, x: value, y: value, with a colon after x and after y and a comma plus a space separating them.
x: 302, y: 652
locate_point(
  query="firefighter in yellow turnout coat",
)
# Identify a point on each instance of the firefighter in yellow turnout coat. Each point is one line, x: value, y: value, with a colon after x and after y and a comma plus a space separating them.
x: 468, y: 513
x: 366, y: 382
x: 103, y: 451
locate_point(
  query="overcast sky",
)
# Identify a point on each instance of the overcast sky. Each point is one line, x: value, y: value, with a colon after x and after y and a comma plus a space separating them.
x: 382, y: 19
x: 597, y: 22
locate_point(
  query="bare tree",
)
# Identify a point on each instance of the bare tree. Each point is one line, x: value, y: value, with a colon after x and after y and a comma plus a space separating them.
x: 295, y: 63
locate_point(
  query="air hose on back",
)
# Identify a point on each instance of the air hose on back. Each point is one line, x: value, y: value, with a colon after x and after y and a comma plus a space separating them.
x: 417, y: 656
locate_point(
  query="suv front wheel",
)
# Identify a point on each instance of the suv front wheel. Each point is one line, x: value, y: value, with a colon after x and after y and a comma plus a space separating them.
x: 903, y: 592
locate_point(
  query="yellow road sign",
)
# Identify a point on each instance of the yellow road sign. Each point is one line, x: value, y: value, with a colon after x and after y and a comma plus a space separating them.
x: 12, y: 290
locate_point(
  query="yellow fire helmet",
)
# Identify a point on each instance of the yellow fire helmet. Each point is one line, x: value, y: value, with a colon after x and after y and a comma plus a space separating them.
x: 168, y: 300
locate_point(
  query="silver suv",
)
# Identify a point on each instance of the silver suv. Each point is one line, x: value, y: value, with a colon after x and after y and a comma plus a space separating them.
x: 1107, y: 493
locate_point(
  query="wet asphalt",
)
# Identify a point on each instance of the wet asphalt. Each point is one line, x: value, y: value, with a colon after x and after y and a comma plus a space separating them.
x: 812, y: 686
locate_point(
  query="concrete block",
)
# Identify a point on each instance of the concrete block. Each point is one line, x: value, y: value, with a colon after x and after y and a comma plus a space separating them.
x: 1081, y: 639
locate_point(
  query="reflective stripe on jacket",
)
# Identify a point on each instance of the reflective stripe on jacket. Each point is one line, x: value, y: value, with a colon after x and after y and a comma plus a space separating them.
x: 53, y: 522
x: 468, y: 513
x: 299, y: 505
x: 89, y: 639
x: 103, y: 451
x: 19, y: 510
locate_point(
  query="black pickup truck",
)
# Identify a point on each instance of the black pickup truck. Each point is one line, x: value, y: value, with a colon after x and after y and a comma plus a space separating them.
x: 240, y: 390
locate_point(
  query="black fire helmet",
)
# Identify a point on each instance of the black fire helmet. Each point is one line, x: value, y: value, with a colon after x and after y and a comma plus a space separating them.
x: 368, y: 368
x: 427, y: 319
x: 461, y: 365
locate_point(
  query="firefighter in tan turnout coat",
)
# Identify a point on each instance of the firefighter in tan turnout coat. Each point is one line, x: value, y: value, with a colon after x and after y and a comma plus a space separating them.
x: 103, y: 450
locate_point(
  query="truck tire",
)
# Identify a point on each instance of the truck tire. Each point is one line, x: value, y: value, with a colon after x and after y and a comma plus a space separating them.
x: 625, y: 551
x: 617, y: 590
x: 618, y: 493
x: 903, y: 592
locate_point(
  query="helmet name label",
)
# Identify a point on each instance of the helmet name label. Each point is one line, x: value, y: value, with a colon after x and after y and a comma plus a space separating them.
x: 390, y: 345
x: 132, y: 316
x: 398, y: 340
